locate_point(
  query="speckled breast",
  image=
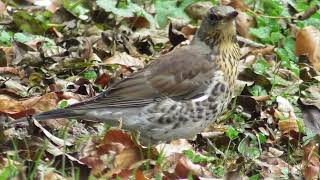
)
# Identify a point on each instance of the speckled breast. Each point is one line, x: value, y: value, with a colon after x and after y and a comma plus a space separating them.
x: 200, y: 113
x: 208, y: 109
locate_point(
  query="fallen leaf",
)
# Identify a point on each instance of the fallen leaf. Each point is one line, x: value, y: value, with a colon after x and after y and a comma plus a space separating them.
x: 140, y: 176
x: 237, y: 4
x: 272, y: 167
x: 17, y: 109
x: 124, y: 59
x: 244, y: 22
x: 103, y: 80
x: 308, y: 43
x: 314, y: 96
x: 118, y: 136
x: 198, y: 10
x: 311, y: 116
x: 184, y: 167
x: 115, y: 154
x: 56, y: 140
x: 126, y: 158
x: 51, y: 5
x: 176, y: 146
x: 2, y: 8
x: 311, y: 161
x: 289, y: 129
x: 285, y: 107
x: 10, y: 70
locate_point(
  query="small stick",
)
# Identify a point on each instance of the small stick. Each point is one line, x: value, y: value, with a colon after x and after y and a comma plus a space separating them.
x: 308, y: 13
x: 250, y: 42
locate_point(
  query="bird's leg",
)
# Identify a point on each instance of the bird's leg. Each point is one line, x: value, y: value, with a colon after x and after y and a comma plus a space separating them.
x: 4, y: 122
x: 120, y: 123
x: 32, y: 127
x: 202, y: 140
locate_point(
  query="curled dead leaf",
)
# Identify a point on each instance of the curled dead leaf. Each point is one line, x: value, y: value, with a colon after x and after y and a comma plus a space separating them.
x: 244, y: 22
x: 118, y: 136
x: 126, y: 158
x: 199, y: 9
x: 35, y: 104
x: 176, y: 146
x: 311, y: 161
x: 237, y: 4
x: 185, y: 166
x: 308, y: 43
x: 58, y: 141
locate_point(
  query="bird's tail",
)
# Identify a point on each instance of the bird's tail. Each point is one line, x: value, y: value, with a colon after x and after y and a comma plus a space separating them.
x: 53, y: 114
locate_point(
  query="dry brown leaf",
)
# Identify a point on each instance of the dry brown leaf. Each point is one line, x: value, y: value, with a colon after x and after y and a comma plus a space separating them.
x: 311, y: 161
x: 186, y: 166
x: 286, y: 126
x: 114, y: 155
x: 10, y: 106
x: 138, y: 22
x: 264, y: 51
x: 308, y: 43
x: 2, y: 8
x: 124, y: 59
x: 126, y: 158
x: 118, y: 136
x: 140, y: 175
x: 237, y: 4
x: 103, y: 80
x: 176, y: 146
x: 271, y: 166
x: 11, y: 70
x: 89, y: 156
x: 244, y: 22
x: 189, y: 31
x: 199, y: 9
x: 17, y: 109
x: 58, y: 141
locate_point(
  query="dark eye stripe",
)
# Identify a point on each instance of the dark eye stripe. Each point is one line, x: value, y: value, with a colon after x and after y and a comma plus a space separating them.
x: 214, y: 17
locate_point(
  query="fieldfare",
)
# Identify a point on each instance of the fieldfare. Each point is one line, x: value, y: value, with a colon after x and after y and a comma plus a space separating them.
x: 177, y: 95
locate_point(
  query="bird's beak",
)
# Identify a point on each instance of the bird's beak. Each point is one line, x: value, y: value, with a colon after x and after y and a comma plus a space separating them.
x: 232, y: 15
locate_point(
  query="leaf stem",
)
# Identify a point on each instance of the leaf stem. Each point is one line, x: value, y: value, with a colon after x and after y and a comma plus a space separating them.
x: 270, y: 17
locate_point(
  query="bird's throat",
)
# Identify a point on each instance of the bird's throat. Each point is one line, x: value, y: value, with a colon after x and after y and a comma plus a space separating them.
x: 224, y: 48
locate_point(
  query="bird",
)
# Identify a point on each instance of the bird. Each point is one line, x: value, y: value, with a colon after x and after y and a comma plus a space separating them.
x: 177, y: 95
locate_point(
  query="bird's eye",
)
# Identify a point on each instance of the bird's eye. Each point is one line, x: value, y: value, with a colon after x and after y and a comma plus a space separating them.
x: 214, y: 17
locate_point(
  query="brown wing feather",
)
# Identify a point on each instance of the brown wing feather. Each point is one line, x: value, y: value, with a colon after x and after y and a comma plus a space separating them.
x: 181, y: 75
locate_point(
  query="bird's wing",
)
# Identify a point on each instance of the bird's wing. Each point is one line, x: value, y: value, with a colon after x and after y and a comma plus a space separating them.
x: 183, y: 74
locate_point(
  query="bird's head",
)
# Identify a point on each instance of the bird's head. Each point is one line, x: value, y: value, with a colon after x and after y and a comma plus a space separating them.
x: 218, y: 24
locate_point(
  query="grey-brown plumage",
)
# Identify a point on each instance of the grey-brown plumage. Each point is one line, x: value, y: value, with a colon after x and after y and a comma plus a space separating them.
x: 179, y: 94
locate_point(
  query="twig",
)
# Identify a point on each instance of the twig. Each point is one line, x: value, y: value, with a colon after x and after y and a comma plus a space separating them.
x: 7, y: 22
x: 308, y: 13
x: 261, y: 98
x: 250, y: 42
x: 270, y: 17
